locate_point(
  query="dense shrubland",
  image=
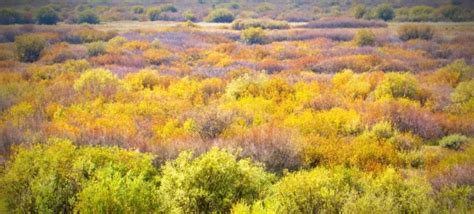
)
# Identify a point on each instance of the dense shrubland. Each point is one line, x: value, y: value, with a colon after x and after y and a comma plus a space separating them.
x: 261, y: 118
x: 41, y: 12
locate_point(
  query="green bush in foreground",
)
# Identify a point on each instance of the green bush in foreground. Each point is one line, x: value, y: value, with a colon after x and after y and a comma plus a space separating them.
x: 29, y: 47
x: 342, y: 190
x: 58, y: 177
x: 212, y: 182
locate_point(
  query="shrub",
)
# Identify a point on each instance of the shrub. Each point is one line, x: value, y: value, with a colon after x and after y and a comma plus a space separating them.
x: 317, y: 191
x: 157, y: 56
x: 60, y: 52
x: 96, y: 82
x: 398, y: 85
x: 384, y: 12
x: 88, y: 16
x: 345, y: 23
x: 59, y: 177
x: 453, y: 141
x: 96, y: 48
x: 453, y: 13
x: 358, y: 11
x: 211, y: 183
x: 464, y: 92
x: 87, y: 35
x: 168, y: 8
x: 341, y: 190
x: 407, y: 32
x: 364, y: 37
x: 220, y: 15
x: 253, y: 36
x: 275, y: 147
x: 29, y: 47
x: 137, y: 9
x: 241, y: 24
x: 10, y: 16
x: 462, y: 98
x: 189, y: 16
x: 154, y: 14
x: 46, y: 15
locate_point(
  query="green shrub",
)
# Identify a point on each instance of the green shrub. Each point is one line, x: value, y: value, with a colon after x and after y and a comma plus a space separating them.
x: 398, y: 85
x: 29, y: 47
x: 464, y: 92
x: 358, y: 11
x: 154, y: 14
x: 9, y: 16
x: 137, y: 9
x: 364, y: 37
x: 58, y: 177
x: 220, y: 15
x: 253, y: 36
x: 46, y: 15
x: 190, y: 16
x: 242, y: 24
x: 384, y: 12
x: 453, y: 141
x: 168, y: 8
x: 95, y: 82
x: 88, y: 16
x: 454, y: 13
x: 407, y: 32
x: 211, y: 183
x: 317, y: 191
x: 96, y: 48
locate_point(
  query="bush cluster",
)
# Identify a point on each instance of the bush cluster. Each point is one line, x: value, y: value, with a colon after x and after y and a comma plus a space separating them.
x: 241, y: 24
x: 220, y: 15
x: 407, y: 32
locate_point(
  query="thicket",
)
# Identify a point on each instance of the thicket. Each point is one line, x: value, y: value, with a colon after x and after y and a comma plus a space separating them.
x: 241, y: 24
x: 29, y: 47
x: 220, y: 15
x: 58, y: 176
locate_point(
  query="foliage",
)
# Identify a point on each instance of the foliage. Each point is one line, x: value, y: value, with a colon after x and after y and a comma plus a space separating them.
x: 220, y: 15
x: 88, y: 16
x: 253, y: 36
x: 358, y: 11
x: 10, y: 16
x: 398, y: 85
x: 454, y: 141
x: 60, y: 177
x: 96, y: 82
x: 96, y: 48
x: 384, y: 12
x: 47, y: 15
x: 407, y: 32
x: 242, y: 24
x: 137, y: 9
x: 211, y: 182
x: 347, y: 190
x: 364, y: 38
x: 29, y: 47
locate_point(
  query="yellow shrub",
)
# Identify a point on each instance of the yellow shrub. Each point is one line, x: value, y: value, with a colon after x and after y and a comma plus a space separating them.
x: 157, y: 56
x: 218, y: 59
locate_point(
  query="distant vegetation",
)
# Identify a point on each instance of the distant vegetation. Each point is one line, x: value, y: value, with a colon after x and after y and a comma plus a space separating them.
x: 220, y: 11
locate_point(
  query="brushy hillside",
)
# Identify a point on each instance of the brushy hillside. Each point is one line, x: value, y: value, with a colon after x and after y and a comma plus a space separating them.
x: 351, y: 111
